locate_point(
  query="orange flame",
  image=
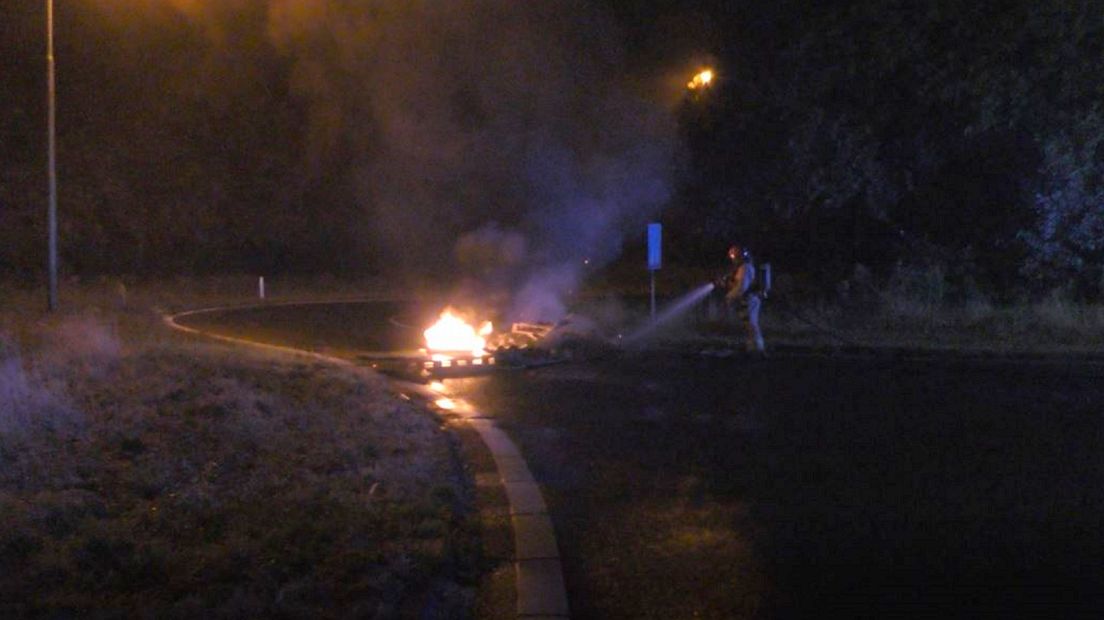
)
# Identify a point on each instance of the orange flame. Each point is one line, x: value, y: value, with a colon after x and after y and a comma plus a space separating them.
x: 452, y: 333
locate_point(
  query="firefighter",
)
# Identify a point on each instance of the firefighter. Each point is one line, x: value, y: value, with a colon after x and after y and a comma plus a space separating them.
x: 742, y: 293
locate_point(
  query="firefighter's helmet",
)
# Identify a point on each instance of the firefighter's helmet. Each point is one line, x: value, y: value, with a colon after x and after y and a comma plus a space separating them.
x: 738, y: 254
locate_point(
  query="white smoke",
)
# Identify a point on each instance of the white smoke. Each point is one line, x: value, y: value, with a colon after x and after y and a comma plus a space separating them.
x: 457, y: 118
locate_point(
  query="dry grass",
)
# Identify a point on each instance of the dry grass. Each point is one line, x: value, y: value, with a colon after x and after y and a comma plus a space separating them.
x: 1054, y: 324
x: 921, y: 313
x: 142, y: 473
x: 914, y: 307
x: 1049, y: 326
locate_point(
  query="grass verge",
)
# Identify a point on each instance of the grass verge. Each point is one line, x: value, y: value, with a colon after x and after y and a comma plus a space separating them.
x: 146, y: 473
x: 914, y: 309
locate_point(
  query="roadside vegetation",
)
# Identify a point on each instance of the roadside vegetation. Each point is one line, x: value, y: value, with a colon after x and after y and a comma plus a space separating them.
x: 925, y: 308
x: 146, y: 472
x: 922, y: 307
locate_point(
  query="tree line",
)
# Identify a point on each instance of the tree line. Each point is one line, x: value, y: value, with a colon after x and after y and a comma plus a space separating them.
x: 872, y: 132
x: 966, y: 136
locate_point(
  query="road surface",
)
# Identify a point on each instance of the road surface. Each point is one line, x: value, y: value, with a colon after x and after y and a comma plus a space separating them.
x: 689, y: 486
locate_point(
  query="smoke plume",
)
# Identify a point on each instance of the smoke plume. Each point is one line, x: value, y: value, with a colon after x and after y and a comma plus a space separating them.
x: 496, y: 138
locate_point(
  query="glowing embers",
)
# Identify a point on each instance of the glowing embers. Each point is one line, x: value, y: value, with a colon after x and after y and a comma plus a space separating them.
x: 452, y: 334
x: 458, y: 364
x: 702, y: 79
x: 442, y: 400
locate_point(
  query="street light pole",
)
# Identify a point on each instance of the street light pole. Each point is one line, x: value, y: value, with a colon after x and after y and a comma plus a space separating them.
x: 51, y: 115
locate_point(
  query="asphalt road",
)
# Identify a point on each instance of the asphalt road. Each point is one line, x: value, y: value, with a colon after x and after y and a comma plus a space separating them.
x: 798, y: 486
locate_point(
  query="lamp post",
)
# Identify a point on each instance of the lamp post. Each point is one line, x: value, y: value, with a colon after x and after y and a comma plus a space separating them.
x: 51, y: 122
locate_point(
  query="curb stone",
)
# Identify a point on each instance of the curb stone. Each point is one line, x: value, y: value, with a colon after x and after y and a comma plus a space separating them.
x: 728, y: 348
x: 535, y: 538
x: 538, y: 572
x: 541, y: 592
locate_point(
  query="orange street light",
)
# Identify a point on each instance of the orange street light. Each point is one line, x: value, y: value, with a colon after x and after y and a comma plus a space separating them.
x: 702, y: 79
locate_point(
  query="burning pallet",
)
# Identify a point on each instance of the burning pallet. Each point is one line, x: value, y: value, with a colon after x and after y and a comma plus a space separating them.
x: 520, y: 335
x: 423, y: 366
x: 455, y: 348
x: 459, y: 362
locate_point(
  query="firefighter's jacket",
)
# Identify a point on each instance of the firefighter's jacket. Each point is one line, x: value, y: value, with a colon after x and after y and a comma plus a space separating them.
x: 738, y: 283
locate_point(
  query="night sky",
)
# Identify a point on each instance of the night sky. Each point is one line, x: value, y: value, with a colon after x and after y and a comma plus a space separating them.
x: 508, y: 141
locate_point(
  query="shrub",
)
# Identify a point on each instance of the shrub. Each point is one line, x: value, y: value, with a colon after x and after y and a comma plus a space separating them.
x: 1057, y: 312
x: 1067, y: 241
x: 915, y: 292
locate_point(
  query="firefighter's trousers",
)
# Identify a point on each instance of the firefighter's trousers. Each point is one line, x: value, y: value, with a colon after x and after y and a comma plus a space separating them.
x: 747, y: 310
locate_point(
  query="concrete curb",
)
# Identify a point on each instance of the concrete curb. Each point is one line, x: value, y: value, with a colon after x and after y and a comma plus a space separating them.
x: 170, y: 321
x: 541, y: 592
x: 735, y: 350
x: 538, y: 572
x: 951, y: 355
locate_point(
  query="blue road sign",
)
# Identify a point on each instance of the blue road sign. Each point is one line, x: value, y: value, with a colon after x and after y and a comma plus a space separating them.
x: 655, y: 246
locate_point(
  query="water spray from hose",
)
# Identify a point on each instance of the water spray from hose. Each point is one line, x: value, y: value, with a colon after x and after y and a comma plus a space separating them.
x: 675, y: 309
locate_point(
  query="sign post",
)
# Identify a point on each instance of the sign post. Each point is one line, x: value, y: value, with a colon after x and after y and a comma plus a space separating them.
x: 655, y: 256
